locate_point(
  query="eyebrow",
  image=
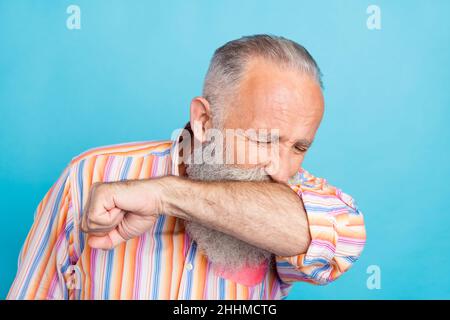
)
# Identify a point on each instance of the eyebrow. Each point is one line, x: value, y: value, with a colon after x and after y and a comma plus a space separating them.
x: 304, y: 143
x: 259, y: 135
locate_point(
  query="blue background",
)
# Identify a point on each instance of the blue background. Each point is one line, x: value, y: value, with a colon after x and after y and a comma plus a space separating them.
x: 129, y: 75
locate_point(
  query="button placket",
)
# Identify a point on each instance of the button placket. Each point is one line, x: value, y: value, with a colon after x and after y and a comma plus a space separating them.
x: 188, y: 269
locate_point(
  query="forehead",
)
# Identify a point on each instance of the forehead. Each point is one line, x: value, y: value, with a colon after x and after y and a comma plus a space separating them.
x: 272, y: 97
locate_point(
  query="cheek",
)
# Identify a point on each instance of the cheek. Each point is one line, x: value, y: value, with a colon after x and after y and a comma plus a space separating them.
x: 238, y: 151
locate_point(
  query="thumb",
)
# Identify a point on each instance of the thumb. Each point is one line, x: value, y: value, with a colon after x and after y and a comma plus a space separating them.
x: 106, y: 242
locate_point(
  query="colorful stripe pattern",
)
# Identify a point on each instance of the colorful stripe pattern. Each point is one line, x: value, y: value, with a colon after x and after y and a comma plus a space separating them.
x: 164, y: 263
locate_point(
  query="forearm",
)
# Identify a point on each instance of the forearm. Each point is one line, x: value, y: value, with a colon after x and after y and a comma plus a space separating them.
x: 268, y: 215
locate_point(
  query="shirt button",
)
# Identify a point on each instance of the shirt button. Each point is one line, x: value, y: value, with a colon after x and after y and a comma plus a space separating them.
x: 189, y: 266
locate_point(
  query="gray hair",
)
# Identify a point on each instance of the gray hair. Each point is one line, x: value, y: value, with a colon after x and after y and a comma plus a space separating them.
x: 229, y: 61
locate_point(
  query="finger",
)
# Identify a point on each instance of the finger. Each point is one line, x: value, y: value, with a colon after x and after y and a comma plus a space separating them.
x: 106, y: 242
x: 105, y: 217
x: 83, y: 225
x: 99, y: 232
x: 99, y: 207
x: 130, y: 226
x: 86, y: 209
x: 102, y: 222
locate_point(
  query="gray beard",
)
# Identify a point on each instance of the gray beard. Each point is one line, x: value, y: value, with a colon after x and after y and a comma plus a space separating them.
x: 222, y: 249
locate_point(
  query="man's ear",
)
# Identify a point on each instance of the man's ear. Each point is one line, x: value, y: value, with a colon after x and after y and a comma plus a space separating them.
x: 201, y: 119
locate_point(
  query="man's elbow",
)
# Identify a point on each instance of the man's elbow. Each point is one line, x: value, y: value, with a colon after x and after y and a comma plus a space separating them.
x: 296, y: 243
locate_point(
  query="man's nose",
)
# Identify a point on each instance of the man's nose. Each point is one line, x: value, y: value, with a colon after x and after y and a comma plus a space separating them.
x: 280, y: 167
x: 281, y: 176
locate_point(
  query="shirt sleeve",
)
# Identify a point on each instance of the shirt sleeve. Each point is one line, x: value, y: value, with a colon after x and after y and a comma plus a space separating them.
x: 44, y: 260
x: 337, y: 233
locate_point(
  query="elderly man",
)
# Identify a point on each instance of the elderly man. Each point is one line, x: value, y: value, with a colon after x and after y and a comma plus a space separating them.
x: 173, y: 220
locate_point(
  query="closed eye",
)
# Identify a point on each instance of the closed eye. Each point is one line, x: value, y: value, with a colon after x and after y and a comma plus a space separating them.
x: 301, y: 149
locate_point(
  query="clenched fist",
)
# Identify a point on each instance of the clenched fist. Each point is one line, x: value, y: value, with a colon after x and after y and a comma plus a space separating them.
x: 118, y: 211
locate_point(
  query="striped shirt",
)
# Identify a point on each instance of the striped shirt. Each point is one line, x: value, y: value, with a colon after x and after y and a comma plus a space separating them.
x: 164, y: 263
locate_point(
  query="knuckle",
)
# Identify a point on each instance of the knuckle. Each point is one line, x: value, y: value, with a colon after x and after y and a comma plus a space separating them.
x: 97, y: 186
x: 83, y: 226
x: 91, y: 220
